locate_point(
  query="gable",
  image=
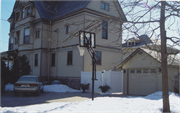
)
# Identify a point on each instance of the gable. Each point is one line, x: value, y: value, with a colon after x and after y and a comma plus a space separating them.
x: 114, y: 8
x: 141, y: 60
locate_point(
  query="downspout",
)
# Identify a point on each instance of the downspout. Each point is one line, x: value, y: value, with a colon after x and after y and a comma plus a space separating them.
x: 41, y: 52
x: 49, y: 52
x: 57, y: 30
x: 84, y: 54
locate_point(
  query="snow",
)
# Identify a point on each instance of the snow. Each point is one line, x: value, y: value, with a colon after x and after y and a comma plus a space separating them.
x: 148, y: 104
x: 48, y: 88
x: 59, y: 88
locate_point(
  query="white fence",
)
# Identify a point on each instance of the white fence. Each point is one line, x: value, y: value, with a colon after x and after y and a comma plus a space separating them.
x: 114, y: 79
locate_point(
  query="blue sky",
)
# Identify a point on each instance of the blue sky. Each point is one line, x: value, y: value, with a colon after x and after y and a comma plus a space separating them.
x: 6, y: 9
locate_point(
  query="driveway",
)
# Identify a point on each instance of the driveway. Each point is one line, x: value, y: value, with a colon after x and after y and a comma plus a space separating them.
x: 9, y: 100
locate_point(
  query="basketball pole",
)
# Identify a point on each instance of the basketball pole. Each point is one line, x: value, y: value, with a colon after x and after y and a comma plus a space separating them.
x: 91, y: 51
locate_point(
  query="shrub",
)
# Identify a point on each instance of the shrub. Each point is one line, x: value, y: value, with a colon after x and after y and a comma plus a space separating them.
x: 104, y: 88
x: 84, y: 87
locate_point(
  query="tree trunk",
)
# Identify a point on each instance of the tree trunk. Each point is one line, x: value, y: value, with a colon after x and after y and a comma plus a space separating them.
x: 165, y: 90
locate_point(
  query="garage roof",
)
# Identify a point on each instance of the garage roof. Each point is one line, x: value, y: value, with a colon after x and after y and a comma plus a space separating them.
x: 172, y: 60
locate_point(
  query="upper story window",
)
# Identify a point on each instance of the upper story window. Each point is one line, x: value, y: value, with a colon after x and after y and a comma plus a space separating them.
x: 67, y: 29
x: 28, y: 11
x: 17, y: 15
x: 10, y: 43
x: 104, y: 29
x: 26, y: 36
x: 36, y: 60
x: 23, y: 13
x: 104, y: 6
x: 69, y: 57
x: 17, y: 37
x: 98, y: 57
x: 37, y: 33
x: 53, y: 59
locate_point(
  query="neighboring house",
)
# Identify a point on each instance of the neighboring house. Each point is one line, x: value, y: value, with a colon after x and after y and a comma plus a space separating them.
x: 142, y: 68
x: 40, y: 29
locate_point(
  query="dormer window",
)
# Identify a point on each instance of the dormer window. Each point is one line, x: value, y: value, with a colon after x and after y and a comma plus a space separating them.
x: 104, y: 6
x: 28, y: 11
x: 17, y: 16
x: 23, y: 11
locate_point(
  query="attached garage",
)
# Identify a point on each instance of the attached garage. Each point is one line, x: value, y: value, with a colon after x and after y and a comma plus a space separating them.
x: 142, y: 73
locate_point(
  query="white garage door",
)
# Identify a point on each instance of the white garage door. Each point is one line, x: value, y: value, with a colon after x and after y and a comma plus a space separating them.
x: 142, y: 81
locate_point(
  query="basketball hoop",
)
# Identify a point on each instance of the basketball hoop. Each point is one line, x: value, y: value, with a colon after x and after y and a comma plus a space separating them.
x: 81, y: 50
x: 88, y: 40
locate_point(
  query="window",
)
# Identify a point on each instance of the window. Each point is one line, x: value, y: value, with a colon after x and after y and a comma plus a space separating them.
x: 104, y: 29
x: 37, y: 33
x: 22, y: 14
x: 98, y: 57
x: 145, y: 71
x: 28, y: 11
x: 53, y: 59
x: 17, y: 37
x: 132, y: 71
x: 69, y: 57
x: 152, y: 70
x: 17, y: 16
x: 138, y: 71
x: 10, y: 43
x: 36, y: 60
x: 104, y: 6
x: 67, y: 29
x: 26, y: 36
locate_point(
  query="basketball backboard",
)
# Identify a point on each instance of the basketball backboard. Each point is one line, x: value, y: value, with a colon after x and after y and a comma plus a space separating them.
x: 87, y: 39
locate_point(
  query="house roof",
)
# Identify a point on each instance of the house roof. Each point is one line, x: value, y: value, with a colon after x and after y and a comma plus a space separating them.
x: 54, y: 9
x: 143, y: 40
x: 172, y: 59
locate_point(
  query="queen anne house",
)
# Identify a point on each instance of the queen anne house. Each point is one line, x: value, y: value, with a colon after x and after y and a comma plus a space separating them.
x: 47, y: 33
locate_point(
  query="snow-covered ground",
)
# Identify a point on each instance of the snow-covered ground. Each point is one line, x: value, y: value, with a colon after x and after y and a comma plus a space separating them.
x: 149, y: 104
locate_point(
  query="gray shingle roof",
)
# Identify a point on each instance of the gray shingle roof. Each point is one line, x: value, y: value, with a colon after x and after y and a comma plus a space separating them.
x: 144, y: 39
x: 54, y: 9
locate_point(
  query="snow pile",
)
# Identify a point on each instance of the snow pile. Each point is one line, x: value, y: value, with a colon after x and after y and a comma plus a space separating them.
x: 9, y: 87
x: 59, y: 88
x: 148, y: 104
x: 48, y: 88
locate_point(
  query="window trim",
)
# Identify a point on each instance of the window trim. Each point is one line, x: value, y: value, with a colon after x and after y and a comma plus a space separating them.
x: 105, y: 4
x: 26, y: 36
x: 68, y: 64
x: 105, y: 29
x: 37, y: 34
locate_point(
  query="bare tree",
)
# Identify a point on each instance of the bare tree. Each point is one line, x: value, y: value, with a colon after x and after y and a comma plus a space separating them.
x: 156, y: 18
